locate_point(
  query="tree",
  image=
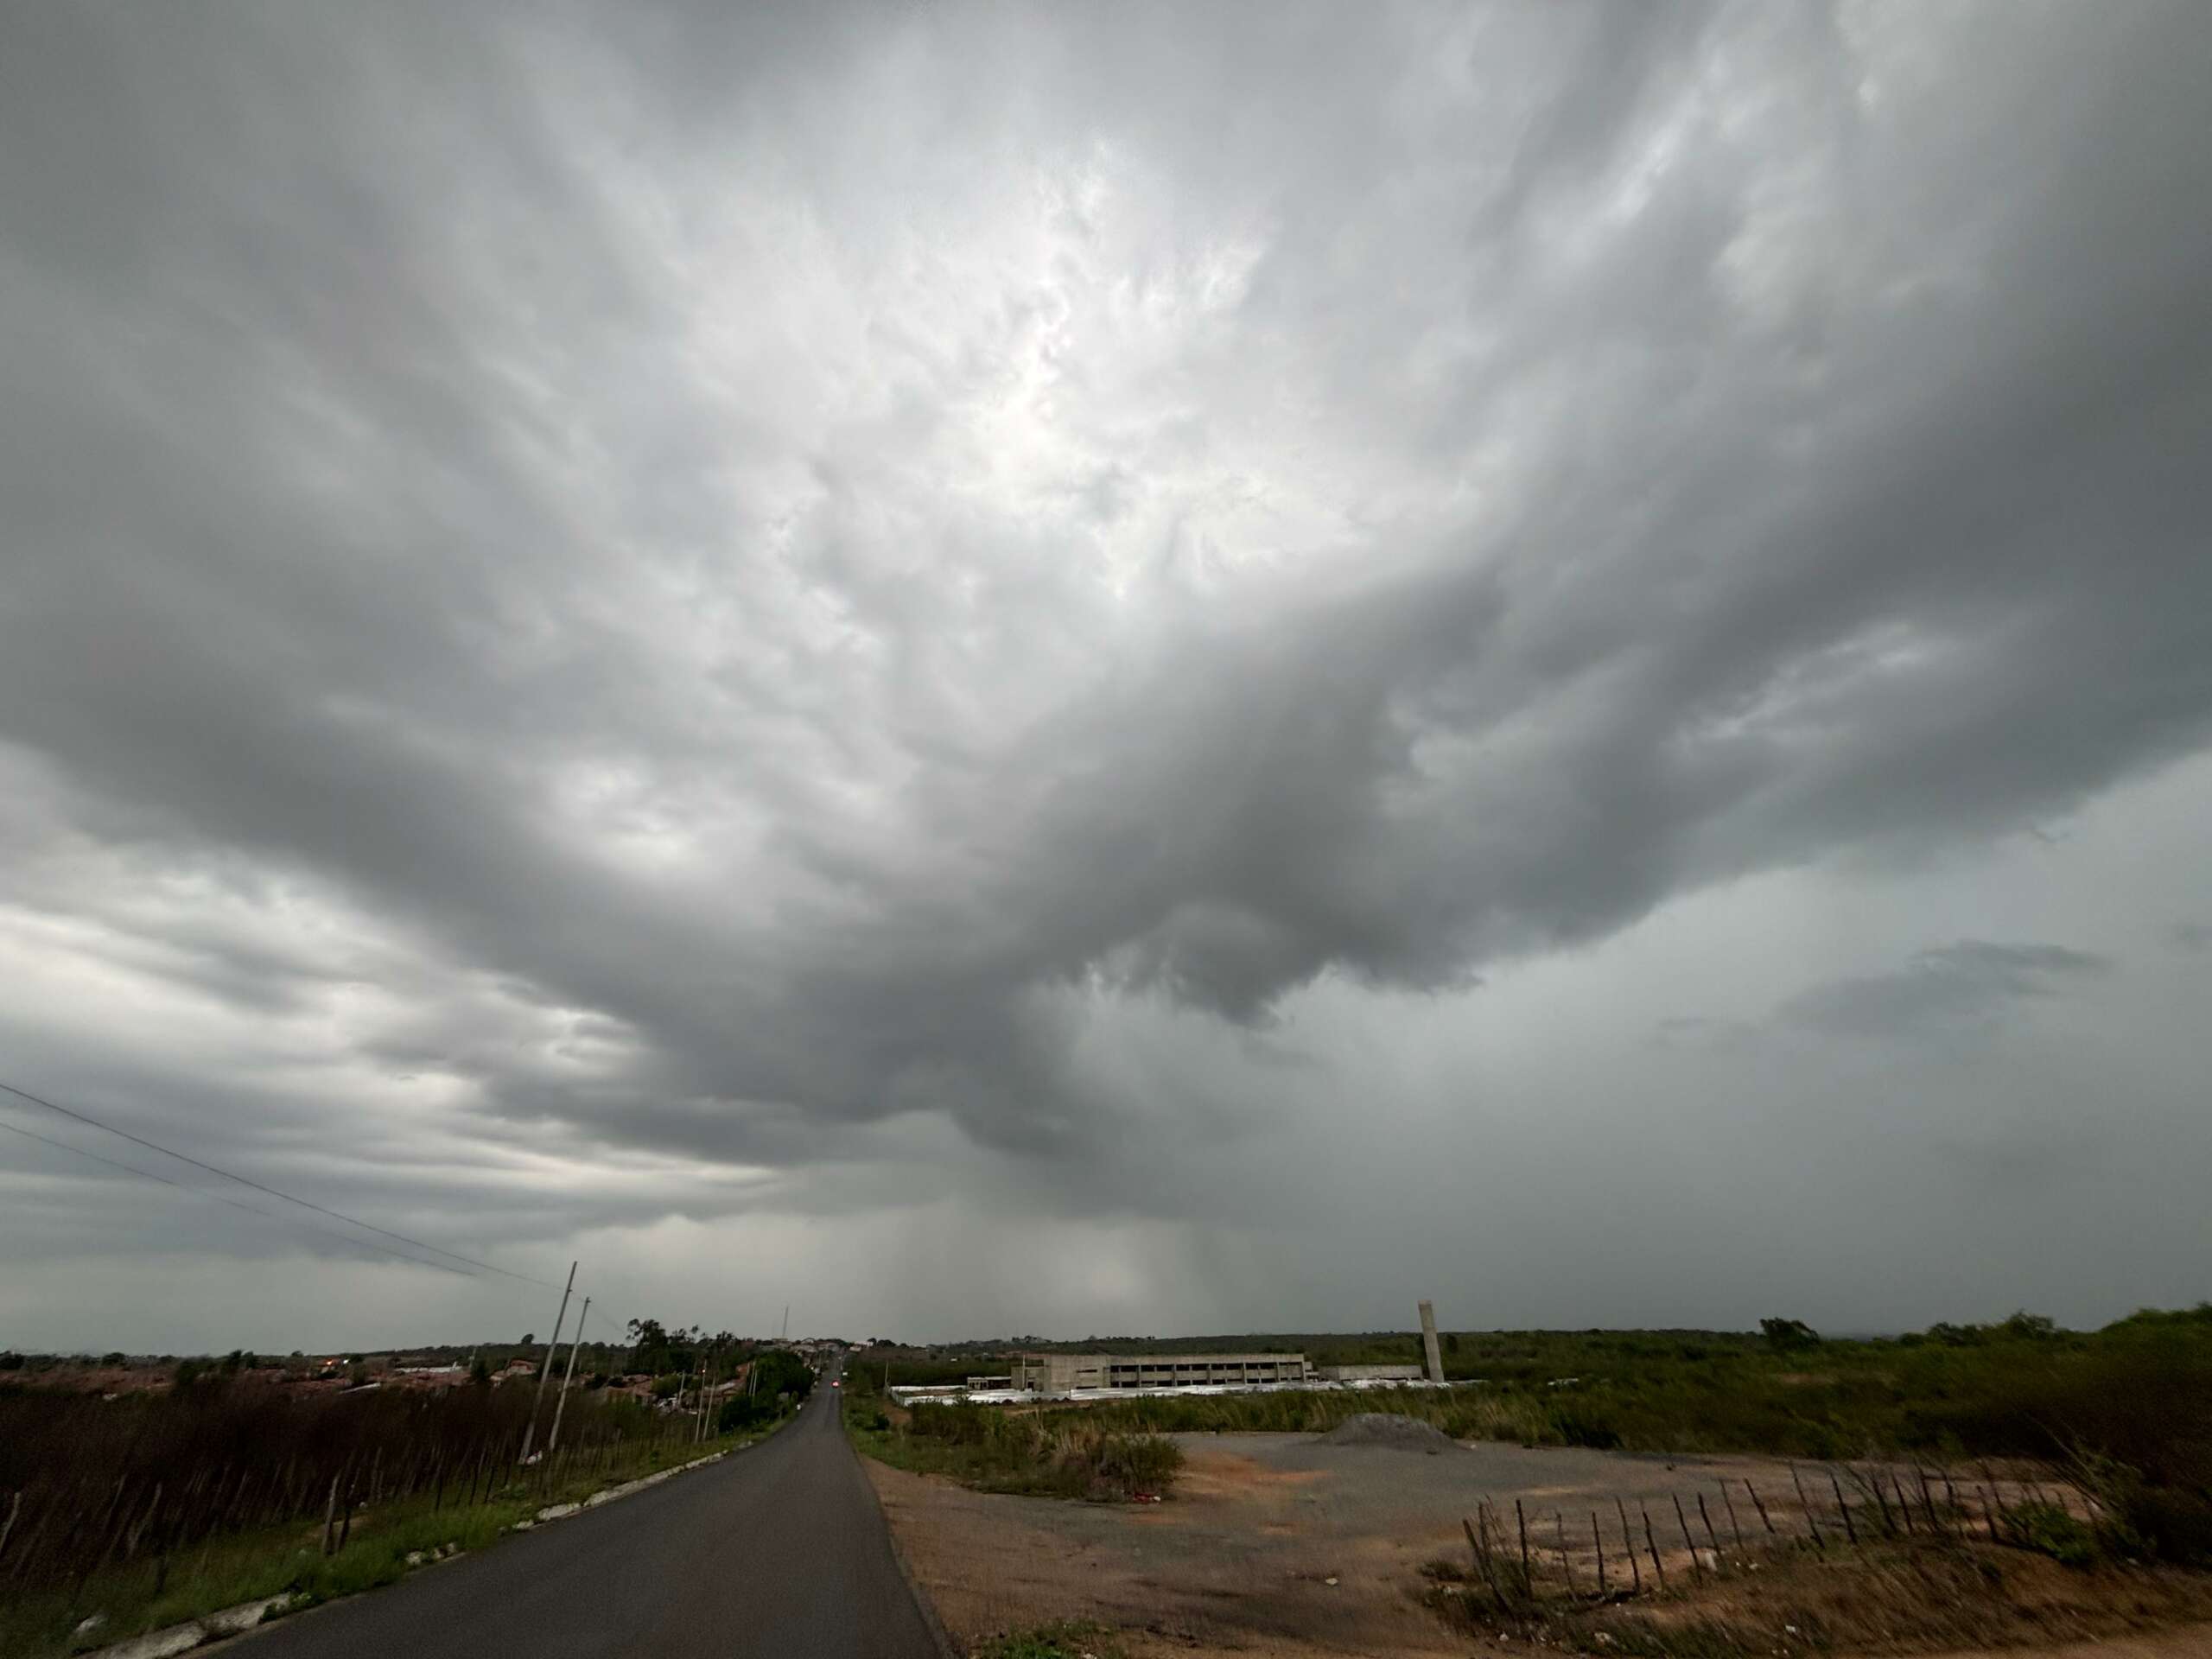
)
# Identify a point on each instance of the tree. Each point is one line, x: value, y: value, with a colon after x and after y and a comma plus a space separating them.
x: 530, y: 1339
x: 1786, y: 1334
x: 480, y: 1371
x: 779, y: 1372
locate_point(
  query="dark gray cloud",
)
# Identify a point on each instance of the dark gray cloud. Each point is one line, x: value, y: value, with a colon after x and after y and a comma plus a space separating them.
x: 708, y: 593
x: 1971, y: 985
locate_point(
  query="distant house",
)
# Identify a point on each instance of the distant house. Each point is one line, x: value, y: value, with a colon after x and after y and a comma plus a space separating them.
x: 514, y: 1369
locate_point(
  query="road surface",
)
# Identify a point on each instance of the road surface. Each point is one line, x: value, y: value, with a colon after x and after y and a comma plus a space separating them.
x: 778, y: 1551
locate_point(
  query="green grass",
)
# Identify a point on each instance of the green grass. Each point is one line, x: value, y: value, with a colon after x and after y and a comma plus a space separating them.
x: 1031, y: 1453
x: 1998, y: 1391
x: 1067, y: 1639
x: 2121, y: 1408
x: 248, y: 1567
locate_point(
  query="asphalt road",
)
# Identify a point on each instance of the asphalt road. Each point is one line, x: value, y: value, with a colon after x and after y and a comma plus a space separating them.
x: 780, y: 1551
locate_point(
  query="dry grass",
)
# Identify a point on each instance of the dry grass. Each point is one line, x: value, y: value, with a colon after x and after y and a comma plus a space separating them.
x: 1902, y: 1596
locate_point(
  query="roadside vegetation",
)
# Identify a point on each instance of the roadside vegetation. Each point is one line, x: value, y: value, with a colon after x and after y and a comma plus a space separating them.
x: 1045, y: 1454
x: 1066, y: 1639
x: 2044, y: 1575
x: 123, y: 1514
x: 2123, y: 1411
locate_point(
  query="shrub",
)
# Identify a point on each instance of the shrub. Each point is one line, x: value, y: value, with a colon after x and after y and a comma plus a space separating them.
x: 1576, y: 1427
x: 744, y: 1411
x: 2049, y: 1530
x: 1131, y: 1466
x: 2173, y: 1522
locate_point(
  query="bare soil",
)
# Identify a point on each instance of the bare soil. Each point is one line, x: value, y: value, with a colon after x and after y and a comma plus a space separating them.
x: 1287, y: 1547
x: 1281, y: 1543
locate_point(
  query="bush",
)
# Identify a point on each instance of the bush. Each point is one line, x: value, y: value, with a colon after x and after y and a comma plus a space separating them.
x: 1788, y: 1334
x: 1578, y: 1427
x: 2049, y: 1530
x: 1133, y: 1465
x: 2171, y: 1522
x: 743, y: 1411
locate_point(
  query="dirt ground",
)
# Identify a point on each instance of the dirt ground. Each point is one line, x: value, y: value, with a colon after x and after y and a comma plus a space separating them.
x: 1279, y: 1544
x: 1283, y: 1547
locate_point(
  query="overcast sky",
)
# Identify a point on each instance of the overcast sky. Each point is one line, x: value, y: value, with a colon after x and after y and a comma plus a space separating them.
x: 1010, y: 669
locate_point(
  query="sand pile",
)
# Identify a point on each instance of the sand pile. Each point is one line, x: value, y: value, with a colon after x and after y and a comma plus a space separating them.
x: 1383, y: 1428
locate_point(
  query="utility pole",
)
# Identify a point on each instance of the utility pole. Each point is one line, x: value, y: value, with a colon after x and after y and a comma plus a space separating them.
x: 706, y: 1382
x: 553, y: 1434
x: 787, y: 1337
x: 531, y: 1434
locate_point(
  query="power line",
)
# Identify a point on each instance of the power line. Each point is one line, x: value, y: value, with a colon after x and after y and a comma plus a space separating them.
x: 250, y: 1209
x: 336, y: 1214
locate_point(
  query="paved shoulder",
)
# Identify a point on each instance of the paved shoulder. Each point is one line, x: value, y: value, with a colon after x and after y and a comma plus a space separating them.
x: 779, y: 1551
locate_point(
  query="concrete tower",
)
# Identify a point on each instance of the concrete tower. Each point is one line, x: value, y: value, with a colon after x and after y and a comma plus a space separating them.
x: 1429, y: 1342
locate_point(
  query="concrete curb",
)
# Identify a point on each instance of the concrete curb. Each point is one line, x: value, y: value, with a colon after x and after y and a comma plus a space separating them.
x: 236, y: 1621
x: 208, y: 1627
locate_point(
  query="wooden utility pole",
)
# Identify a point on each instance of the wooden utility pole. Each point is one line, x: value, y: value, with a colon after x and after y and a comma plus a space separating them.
x: 553, y: 1434
x: 531, y: 1434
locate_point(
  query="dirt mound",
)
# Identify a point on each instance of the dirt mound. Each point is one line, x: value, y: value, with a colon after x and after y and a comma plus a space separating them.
x: 1382, y: 1429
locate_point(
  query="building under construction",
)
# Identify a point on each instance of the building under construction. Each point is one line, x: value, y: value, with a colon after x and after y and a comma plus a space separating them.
x: 1069, y: 1373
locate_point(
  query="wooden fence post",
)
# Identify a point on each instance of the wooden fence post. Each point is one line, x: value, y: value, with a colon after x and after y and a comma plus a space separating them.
x: 1849, y: 1531
x: 1881, y: 1503
x: 1697, y: 1567
x: 1760, y: 1507
x: 1812, y: 1521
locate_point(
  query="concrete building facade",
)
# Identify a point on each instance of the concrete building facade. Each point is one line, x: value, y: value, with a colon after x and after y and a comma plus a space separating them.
x: 1368, y: 1373
x: 1066, y: 1373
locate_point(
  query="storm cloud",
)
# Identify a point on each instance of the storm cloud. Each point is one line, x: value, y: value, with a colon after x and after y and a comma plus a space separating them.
x: 810, y: 612
x: 1973, y: 983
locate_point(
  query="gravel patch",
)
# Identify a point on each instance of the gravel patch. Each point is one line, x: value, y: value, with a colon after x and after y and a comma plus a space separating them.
x: 1397, y: 1433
